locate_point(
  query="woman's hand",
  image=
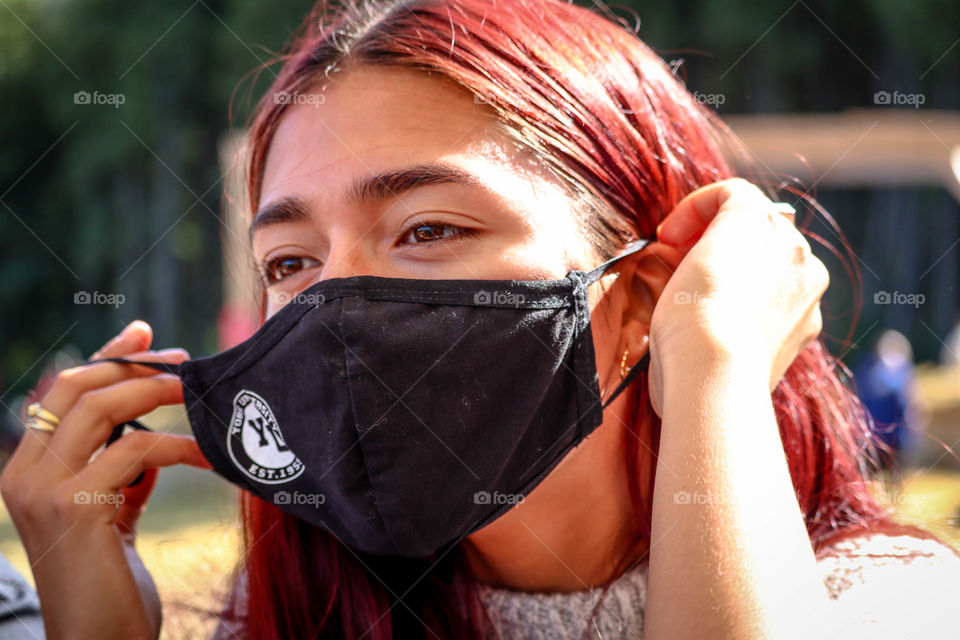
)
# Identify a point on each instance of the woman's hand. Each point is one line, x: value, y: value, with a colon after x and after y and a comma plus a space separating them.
x: 747, y: 290
x: 742, y: 303
x: 76, y: 517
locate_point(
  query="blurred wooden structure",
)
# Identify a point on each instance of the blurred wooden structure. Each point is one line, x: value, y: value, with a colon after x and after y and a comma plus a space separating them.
x: 858, y: 148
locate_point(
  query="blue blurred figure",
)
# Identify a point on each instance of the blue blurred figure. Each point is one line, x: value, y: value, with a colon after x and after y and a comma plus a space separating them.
x: 883, y: 381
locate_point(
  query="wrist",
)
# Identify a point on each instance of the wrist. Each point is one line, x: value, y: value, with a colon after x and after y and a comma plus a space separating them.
x: 693, y: 372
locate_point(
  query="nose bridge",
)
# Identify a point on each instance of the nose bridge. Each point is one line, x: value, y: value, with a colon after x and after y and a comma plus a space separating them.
x: 348, y: 257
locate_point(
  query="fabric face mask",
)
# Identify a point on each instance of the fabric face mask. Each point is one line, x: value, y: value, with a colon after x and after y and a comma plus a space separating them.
x: 403, y: 414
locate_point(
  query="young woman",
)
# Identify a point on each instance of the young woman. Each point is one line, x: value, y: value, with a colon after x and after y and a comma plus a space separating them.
x: 721, y: 496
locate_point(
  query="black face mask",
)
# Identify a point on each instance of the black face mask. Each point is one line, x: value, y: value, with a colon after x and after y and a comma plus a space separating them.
x: 403, y: 414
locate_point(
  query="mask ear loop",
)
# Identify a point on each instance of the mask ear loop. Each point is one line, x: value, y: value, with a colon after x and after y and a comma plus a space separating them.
x: 594, y: 275
x: 634, y: 372
x: 166, y: 367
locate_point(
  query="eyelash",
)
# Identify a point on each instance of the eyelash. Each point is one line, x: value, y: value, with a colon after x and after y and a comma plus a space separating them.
x: 267, y: 266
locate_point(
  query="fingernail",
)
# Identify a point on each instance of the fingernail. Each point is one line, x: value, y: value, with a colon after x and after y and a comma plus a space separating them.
x: 174, y: 351
x: 784, y: 207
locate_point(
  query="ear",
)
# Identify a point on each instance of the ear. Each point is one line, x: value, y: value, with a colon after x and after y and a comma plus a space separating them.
x: 641, y: 281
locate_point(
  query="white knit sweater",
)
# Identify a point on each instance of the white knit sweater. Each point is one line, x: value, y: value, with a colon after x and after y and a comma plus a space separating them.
x: 889, y: 588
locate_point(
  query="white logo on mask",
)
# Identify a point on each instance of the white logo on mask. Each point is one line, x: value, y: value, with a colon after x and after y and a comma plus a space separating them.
x: 255, y: 443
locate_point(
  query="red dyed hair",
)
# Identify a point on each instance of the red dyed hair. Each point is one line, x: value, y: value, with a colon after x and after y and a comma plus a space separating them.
x: 608, y: 117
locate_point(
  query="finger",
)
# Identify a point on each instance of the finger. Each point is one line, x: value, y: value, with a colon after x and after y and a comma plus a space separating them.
x: 100, y: 483
x: 138, y: 451
x: 694, y: 213
x: 89, y: 422
x: 136, y: 336
x: 134, y: 499
x: 72, y: 383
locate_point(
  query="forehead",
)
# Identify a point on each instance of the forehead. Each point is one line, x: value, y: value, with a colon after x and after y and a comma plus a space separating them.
x: 370, y: 119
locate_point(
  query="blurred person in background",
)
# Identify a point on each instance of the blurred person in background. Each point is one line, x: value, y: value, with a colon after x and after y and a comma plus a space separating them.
x: 885, y: 385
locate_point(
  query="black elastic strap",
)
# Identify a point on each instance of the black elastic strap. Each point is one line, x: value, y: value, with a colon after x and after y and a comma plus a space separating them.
x: 630, y: 377
x: 633, y: 247
x: 166, y: 367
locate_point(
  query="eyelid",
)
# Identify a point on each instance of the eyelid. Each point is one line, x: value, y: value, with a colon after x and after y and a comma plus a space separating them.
x: 263, y: 266
x: 460, y: 233
x: 425, y: 220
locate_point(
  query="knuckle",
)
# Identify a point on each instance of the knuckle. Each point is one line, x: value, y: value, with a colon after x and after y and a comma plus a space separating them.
x: 817, y: 321
x: 820, y: 275
x: 22, y: 496
x: 30, y: 501
x: 88, y: 403
x: 133, y: 443
x: 9, y: 486
x: 71, y: 379
x: 815, y: 329
x: 95, y: 405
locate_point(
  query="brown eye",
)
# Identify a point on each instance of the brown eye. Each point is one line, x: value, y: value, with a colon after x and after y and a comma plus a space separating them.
x: 280, y: 268
x: 427, y: 232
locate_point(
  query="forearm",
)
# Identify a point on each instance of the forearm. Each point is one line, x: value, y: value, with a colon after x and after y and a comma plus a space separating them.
x: 735, y: 561
x: 94, y: 596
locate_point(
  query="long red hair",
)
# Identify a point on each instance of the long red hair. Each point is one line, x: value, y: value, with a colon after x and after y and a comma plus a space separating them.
x: 606, y: 114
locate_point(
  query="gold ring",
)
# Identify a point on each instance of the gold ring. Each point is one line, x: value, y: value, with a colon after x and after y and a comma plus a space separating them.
x: 36, y: 411
x: 32, y: 423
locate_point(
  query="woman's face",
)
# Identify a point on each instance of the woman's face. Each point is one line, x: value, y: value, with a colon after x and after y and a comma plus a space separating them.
x: 395, y: 173
x: 391, y: 172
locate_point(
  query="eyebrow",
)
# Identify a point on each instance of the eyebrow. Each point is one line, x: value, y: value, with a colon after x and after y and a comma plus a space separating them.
x: 368, y: 189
